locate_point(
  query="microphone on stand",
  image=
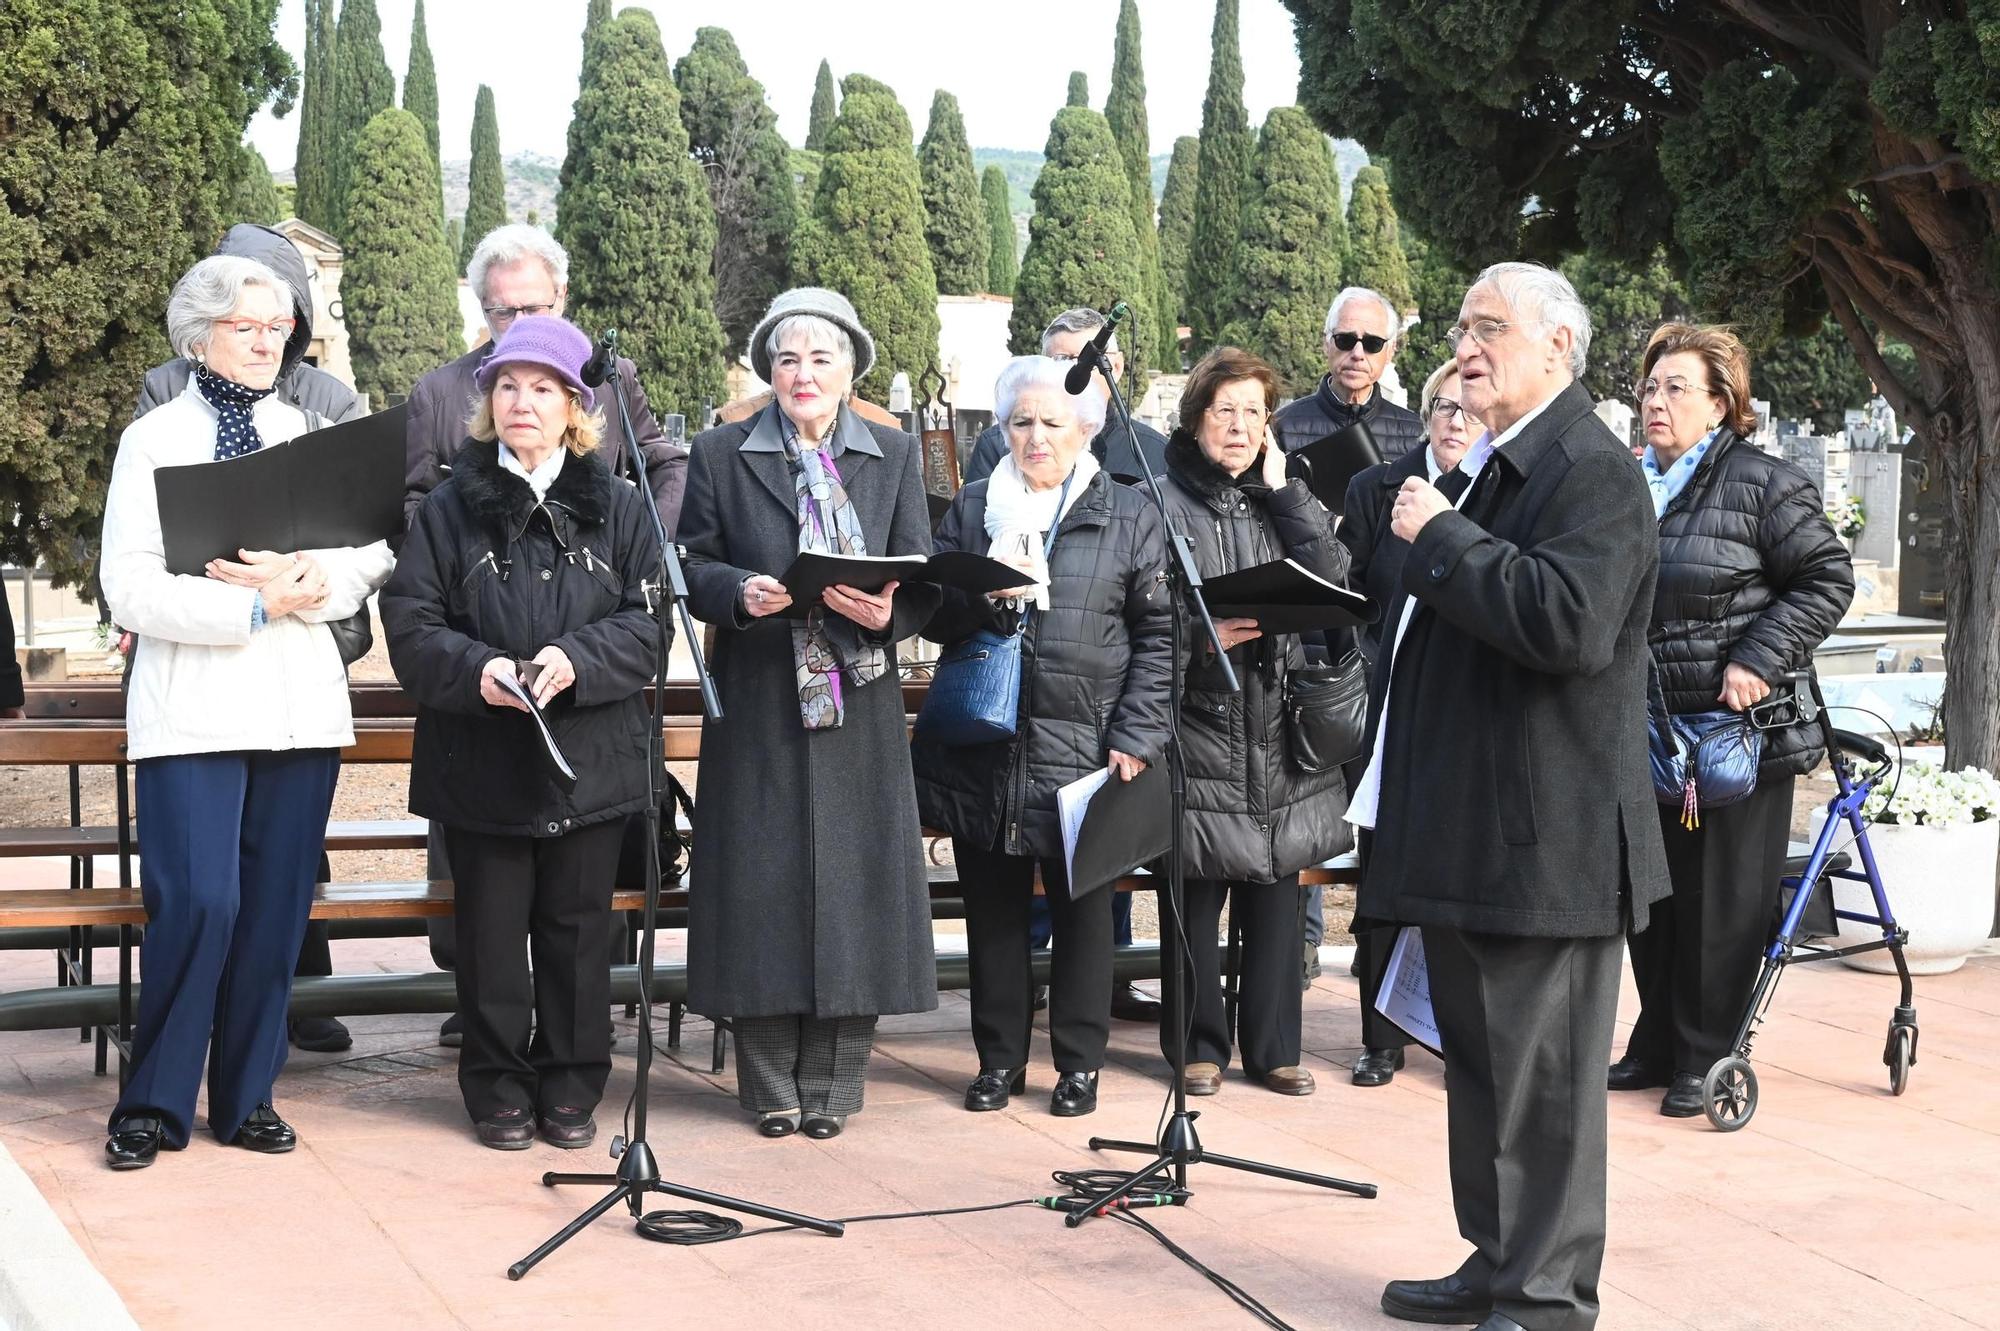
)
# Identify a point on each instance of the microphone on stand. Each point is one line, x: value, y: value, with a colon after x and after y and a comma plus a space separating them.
x: 603, y: 362
x: 1087, y: 359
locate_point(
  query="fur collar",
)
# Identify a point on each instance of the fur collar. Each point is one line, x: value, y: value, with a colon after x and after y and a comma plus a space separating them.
x: 503, y: 502
x: 1190, y: 466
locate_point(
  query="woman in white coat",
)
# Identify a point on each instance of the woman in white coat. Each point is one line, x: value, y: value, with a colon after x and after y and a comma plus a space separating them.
x: 235, y: 719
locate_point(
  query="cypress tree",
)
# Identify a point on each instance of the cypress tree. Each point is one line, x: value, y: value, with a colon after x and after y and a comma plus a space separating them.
x: 420, y: 88
x: 1375, y: 248
x: 363, y: 88
x: 1125, y: 111
x: 594, y: 20
x: 1081, y: 250
x: 1177, y: 220
x: 733, y: 134
x: 255, y: 198
x: 1079, y: 89
x: 398, y: 284
x: 865, y: 235
x: 637, y: 220
x: 486, y: 197
x: 1002, y: 264
x: 1289, y: 264
x: 955, y: 222
x: 824, y: 109
x: 312, y: 167
x: 1218, y: 191
x: 454, y: 238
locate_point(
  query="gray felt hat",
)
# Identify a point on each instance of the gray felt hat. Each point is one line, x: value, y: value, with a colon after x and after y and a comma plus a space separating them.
x: 829, y: 305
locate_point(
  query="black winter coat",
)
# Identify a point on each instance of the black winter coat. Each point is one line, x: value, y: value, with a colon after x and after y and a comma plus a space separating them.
x: 1751, y: 572
x: 1096, y: 670
x: 488, y: 571
x: 1252, y: 814
x: 1376, y: 570
x: 1396, y: 430
x: 1515, y: 795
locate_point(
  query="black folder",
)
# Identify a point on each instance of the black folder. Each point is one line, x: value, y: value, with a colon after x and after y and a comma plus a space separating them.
x: 1285, y: 596
x: 555, y: 765
x: 813, y: 572
x: 339, y: 486
x: 1327, y: 464
x: 1128, y: 823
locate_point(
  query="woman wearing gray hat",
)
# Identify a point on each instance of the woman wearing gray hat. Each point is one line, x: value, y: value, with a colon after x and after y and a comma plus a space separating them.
x: 809, y: 910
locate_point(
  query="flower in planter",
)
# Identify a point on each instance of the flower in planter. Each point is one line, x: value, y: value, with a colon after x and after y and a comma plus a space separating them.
x: 1847, y: 516
x: 1924, y: 795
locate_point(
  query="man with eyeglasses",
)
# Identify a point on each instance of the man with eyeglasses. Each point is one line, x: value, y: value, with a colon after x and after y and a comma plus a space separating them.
x: 1362, y: 330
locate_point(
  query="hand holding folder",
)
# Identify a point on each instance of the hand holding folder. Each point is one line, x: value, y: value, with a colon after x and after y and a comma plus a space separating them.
x: 1111, y: 827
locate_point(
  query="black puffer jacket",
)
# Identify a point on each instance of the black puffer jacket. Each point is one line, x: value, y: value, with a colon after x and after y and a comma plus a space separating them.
x: 1308, y: 420
x: 1751, y: 572
x: 488, y: 571
x: 1096, y: 670
x: 1253, y: 816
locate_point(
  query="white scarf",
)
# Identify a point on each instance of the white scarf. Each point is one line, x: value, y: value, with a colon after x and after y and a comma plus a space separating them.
x: 1018, y: 519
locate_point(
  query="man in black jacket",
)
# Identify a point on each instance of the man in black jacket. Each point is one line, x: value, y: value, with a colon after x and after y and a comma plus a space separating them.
x: 1363, y: 328
x: 1509, y: 797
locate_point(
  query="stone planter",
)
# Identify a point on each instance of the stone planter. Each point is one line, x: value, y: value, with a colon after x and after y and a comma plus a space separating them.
x: 1939, y: 881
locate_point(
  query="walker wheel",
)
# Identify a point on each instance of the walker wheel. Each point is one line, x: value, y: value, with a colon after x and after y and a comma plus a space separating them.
x: 1729, y: 1094
x: 1902, y: 1053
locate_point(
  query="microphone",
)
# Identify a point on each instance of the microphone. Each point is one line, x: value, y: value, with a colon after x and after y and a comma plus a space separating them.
x: 602, y: 361
x: 1092, y: 354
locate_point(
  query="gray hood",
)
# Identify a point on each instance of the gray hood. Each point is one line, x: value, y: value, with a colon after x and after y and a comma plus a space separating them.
x: 247, y: 240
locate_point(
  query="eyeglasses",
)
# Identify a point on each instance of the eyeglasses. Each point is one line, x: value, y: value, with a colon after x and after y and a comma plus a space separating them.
x: 1369, y: 342
x: 506, y: 314
x: 1484, y: 331
x: 1675, y: 389
x: 1443, y: 408
x: 249, y: 330
x: 1230, y: 415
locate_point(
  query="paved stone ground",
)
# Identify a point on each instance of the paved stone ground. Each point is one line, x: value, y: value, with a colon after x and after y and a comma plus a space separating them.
x: 1837, y: 1206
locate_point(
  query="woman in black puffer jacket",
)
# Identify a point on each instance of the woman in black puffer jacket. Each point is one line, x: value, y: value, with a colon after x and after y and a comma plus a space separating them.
x: 1752, y: 579
x: 1254, y: 818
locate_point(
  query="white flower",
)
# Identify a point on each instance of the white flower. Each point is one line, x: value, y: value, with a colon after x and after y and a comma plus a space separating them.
x: 1922, y: 794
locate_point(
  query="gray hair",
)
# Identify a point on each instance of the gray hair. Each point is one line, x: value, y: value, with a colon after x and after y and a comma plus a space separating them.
x: 817, y: 331
x: 505, y: 246
x: 1083, y: 320
x: 1363, y: 293
x: 1043, y: 374
x: 209, y: 291
x: 1544, y: 296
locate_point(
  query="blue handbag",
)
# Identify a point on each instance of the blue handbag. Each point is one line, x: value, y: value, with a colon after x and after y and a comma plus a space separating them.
x: 1700, y: 760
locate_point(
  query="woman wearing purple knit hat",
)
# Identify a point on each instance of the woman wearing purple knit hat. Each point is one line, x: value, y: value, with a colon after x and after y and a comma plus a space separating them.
x: 526, y: 567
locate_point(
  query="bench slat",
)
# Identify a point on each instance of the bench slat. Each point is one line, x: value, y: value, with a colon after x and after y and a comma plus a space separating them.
x: 345, y: 834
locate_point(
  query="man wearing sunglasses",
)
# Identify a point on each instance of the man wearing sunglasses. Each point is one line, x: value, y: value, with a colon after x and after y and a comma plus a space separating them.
x: 1362, y: 330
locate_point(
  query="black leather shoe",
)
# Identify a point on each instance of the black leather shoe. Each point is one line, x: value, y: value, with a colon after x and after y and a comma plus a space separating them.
x: 452, y: 1033
x: 321, y: 1035
x: 1075, y: 1095
x: 1131, y: 1003
x: 990, y: 1089
x: 1377, y: 1067
x: 1499, y: 1322
x: 821, y: 1126
x: 1683, y: 1097
x: 1635, y: 1074
x: 571, y: 1129
x: 1446, y: 1302
x: 782, y: 1123
x: 1041, y: 999
x: 265, y: 1133
x: 134, y: 1143
x: 506, y: 1130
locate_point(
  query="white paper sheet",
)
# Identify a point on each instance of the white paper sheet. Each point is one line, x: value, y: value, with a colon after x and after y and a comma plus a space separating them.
x: 1072, y: 802
x: 1405, y: 996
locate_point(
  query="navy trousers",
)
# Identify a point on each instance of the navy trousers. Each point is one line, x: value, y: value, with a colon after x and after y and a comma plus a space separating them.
x: 231, y: 846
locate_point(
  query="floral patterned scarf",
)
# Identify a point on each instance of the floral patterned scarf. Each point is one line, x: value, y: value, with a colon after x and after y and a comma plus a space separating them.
x: 827, y: 649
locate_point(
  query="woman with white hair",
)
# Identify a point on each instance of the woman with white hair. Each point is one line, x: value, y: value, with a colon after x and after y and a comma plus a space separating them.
x: 1096, y: 666
x: 809, y: 907
x: 235, y: 719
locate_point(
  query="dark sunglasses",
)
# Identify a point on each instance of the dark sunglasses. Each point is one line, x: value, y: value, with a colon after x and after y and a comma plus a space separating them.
x: 1369, y: 342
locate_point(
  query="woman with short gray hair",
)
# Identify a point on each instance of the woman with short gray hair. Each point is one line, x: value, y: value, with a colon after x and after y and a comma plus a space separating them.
x: 809, y: 906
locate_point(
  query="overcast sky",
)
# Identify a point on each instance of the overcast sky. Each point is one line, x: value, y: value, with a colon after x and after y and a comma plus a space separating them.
x: 1008, y: 64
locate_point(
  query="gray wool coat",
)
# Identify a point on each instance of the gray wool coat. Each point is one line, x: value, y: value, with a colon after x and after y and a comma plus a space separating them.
x: 807, y: 891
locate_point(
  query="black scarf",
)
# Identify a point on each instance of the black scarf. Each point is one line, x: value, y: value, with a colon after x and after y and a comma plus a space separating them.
x: 235, y: 433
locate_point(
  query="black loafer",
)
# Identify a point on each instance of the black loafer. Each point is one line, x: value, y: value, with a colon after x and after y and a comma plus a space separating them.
x: 320, y: 1035
x: 1131, y: 1003
x: 1683, y: 1097
x: 991, y: 1088
x: 571, y: 1129
x: 452, y: 1033
x: 821, y: 1126
x: 134, y: 1143
x: 1041, y: 998
x: 265, y: 1133
x: 781, y: 1123
x: 1075, y: 1095
x: 1377, y: 1067
x: 506, y: 1130
x: 1635, y: 1074
x: 1446, y: 1302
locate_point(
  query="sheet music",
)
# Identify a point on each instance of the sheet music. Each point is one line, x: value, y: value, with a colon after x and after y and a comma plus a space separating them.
x: 1405, y: 995
x: 1072, y: 802
x: 555, y: 755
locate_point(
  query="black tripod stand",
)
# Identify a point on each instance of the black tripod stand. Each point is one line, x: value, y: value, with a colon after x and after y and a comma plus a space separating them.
x: 1179, y: 1146
x: 638, y: 1172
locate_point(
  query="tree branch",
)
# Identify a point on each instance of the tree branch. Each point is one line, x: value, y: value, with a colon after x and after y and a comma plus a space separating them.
x: 1798, y: 35
x: 1867, y: 289
x: 1909, y: 407
x: 1914, y: 168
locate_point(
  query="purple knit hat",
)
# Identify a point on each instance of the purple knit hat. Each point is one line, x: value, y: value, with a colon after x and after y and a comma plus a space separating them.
x: 546, y: 340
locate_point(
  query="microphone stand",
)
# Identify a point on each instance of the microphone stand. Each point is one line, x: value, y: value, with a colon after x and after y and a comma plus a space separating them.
x: 1179, y: 1145
x: 638, y: 1171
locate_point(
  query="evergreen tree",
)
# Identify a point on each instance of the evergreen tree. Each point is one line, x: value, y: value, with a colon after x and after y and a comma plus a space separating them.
x: 122, y: 141
x: 1218, y: 193
x: 637, y: 220
x: 805, y: 177
x: 824, y: 109
x: 420, y: 87
x: 1813, y: 377
x: 398, y: 284
x: 1079, y: 89
x: 955, y: 224
x: 1002, y: 263
x: 312, y: 167
x: 1125, y: 110
x: 595, y: 19
x: 1081, y: 250
x: 454, y: 238
x: 1439, y: 287
x: 1177, y: 220
x: 486, y: 197
x: 865, y: 235
x: 1375, y: 257
x: 255, y: 198
x: 363, y: 87
x: 1289, y: 264
x: 1627, y: 301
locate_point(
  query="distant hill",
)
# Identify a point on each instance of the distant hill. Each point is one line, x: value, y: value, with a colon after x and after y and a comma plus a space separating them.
x: 531, y: 186
x: 1348, y: 159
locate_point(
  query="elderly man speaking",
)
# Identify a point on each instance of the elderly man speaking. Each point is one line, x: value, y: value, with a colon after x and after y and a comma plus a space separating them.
x: 1508, y: 794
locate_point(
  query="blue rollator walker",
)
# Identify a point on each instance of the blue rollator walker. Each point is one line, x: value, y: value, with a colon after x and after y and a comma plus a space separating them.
x: 1729, y: 1091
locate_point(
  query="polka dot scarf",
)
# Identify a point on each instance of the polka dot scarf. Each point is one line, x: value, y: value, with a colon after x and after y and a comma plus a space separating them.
x: 235, y: 434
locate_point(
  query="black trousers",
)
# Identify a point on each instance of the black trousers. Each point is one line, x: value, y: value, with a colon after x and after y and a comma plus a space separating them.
x: 1373, y: 947
x: 549, y: 898
x: 998, y: 889
x: 1268, y: 997
x: 1526, y: 1027
x: 1698, y: 958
